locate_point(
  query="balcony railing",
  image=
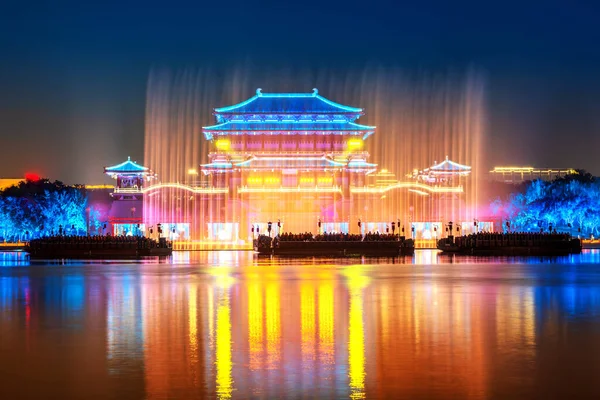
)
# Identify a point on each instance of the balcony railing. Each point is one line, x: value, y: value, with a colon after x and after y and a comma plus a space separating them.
x: 288, y: 189
x: 126, y: 190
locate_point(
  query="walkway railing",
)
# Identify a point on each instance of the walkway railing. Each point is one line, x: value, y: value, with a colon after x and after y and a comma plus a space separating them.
x: 407, y: 185
x: 193, y: 189
x: 416, y: 187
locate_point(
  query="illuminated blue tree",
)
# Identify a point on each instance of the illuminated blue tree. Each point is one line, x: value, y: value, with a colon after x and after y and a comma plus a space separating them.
x: 563, y: 204
x: 34, y: 209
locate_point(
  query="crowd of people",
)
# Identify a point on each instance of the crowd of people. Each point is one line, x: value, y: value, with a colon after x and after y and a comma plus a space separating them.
x: 295, y: 237
x: 336, y: 237
x: 97, y: 241
x: 521, y: 239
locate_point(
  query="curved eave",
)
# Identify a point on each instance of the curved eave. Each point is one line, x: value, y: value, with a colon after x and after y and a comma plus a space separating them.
x: 213, y: 166
x: 224, y: 126
x: 126, y: 167
x: 315, y: 94
x: 115, y: 173
x: 453, y: 167
x: 361, y: 165
x: 337, y: 105
x: 209, y: 135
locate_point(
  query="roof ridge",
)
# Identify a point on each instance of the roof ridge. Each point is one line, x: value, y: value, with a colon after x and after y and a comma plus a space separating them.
x: 314, y: 94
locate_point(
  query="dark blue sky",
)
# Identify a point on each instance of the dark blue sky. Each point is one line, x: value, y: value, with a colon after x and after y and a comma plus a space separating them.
x: 74, y: 72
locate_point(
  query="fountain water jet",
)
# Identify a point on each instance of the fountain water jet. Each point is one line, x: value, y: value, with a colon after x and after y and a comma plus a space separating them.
x: 420, y: 119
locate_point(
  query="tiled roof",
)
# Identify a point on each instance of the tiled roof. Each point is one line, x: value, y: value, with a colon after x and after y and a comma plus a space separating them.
x: 288, y: 103
x: 126, y: 166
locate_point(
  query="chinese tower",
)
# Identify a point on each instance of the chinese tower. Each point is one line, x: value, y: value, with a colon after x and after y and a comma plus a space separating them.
x: 291, y: 156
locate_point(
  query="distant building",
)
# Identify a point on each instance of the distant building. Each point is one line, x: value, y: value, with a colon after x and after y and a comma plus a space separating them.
x: 8, y: 182
x: 446, y: 172
x: 516, y: 175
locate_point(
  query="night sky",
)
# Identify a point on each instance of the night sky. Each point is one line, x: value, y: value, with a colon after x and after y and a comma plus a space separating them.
x: 73, y: 74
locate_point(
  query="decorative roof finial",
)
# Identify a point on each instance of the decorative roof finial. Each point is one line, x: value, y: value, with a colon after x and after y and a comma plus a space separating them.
x: 128, y: 158
x: 259, y: 92
x: 315, y: 91
x: 446, y: 158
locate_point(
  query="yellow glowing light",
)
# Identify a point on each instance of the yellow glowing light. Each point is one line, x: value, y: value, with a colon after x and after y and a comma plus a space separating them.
x: 223, y: 349
x: 95, y: 187
x: 284, y: 189
x: 273, y: 325
x: 193, y: 323
x: 307, y: 325
x: 223, y: 144
x: 222, y: 277
x: 255, y: 325
x: 255, y: 181
x: 326, y: 324
x: 154, y: 188
x: 512, y: 168
x: 354, y: 144
x: 356, y: 345
x: 356, y: 281
x: 272, y: 180
x: 192, y: 171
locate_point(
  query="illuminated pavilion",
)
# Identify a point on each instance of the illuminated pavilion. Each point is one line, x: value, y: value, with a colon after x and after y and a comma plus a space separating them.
x: 445, y: 172
x: 298, y: 158
x: 126, y: 212
x: 304, y: 148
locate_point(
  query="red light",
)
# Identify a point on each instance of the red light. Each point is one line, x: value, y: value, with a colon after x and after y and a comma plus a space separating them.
x: 30, y: 176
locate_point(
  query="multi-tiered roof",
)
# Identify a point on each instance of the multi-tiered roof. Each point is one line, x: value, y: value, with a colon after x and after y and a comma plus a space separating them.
x: 287, y: 115
x: 447, y: 169
x: 126, y: 168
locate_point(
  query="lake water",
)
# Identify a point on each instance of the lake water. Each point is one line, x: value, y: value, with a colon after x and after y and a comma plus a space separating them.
x: 232, y: 325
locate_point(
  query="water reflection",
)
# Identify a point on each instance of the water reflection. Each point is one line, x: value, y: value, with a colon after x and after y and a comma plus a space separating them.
x: 239, y: 327
x: 223, y: 346
x: 356, y: 342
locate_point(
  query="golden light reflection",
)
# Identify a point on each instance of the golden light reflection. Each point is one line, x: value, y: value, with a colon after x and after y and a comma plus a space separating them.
x: 223, y: 348
x: 307, y: 326
x: 255, y: 325
x: 193, y: 328
x: 356, y: 339
x: 326, y: 324
x: 273, y: 324
x: 515, y: 318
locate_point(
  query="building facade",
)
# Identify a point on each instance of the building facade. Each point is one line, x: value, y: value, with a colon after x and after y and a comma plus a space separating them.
x: 297, y: 160
x: 517, y: 175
